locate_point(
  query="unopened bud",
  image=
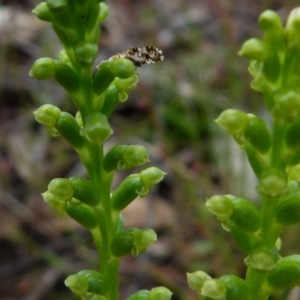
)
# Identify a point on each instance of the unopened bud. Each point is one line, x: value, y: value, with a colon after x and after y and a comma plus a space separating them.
x: 233, y: 121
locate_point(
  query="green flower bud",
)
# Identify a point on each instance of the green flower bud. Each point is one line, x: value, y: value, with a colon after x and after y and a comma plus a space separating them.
x: 85, y: 53
x: 97, y: 282
x: 43, y: 12
x: 79, y: 119
x: 288, y: 210
x: 233, y: 121
x: 59, y: 206
x: 255, y: 68
x: 83, y: 214
x: 270, y: 23
x: 62, y: 188
x: 242, y: 239
x: 278, y: 244
x: 70, y: 130
x: 57, y: 4
x: 294, y: 176
x: 295, y: 159
x: 272, y: 68
x: 292, y: 29
x: 253, y: 159
x: 245, y: 215
x: 47, y: 114
x: 255, y: 49
x: 114, y: 158
x: 127, y: 84
x: 237, y: 288
x: 66, y: 34
x: 286, y: 273
x: 77, y: 284
x: 143, y: 239
x: 123, y: 157
x: 135, y: 155
x: 84, y: 191
x: 97, y: 129
x: 263, y: 258
x: 104, y: 10
x: 43, y: 68
x: 110, y: 101
x: 127, y: 191
x: 91, y: 18
x: 103, y: 77
x: 221, y: 206
x: 160, y: 293
x: 63, y: 57
x: 259, y: 82
x: 122, y: 243
x: 258, y: 134
x: 63, y: 15
x: 288, y: 103
x: 67, y: 77
x: 151, y: 176
x: 197, y: 279
x: 292, y: 135
x: 139, y: 295
x: 122, y: 68
x: 273, y: 183
x: 215, y: 289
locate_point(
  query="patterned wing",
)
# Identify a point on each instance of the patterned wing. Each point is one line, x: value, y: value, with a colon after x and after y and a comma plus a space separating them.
x: 140, y: 55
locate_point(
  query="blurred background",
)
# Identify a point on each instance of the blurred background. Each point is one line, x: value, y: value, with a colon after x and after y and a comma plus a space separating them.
x: 171, y: 113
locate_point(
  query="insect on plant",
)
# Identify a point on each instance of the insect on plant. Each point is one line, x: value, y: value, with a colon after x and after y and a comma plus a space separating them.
x: 140, y: 55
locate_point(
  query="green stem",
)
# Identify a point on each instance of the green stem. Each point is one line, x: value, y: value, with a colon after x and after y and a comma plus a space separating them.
x: 106, y: 221
x: 269, y: 231
x: 113, y: 280
x: 99, y: 242
x: 256, y: 282
x: 104, y: 233
x: 102, y: 182
x: 109, y: 264
x: 258, y: 289
x: 277, y: 163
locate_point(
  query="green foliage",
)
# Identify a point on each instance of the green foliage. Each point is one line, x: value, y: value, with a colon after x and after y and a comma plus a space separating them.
x: 273, y: 155
x: 91, y: 202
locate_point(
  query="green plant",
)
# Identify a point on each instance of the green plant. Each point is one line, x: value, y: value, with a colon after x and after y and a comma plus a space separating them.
x: 90, y: 201
x: 274, y: 156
